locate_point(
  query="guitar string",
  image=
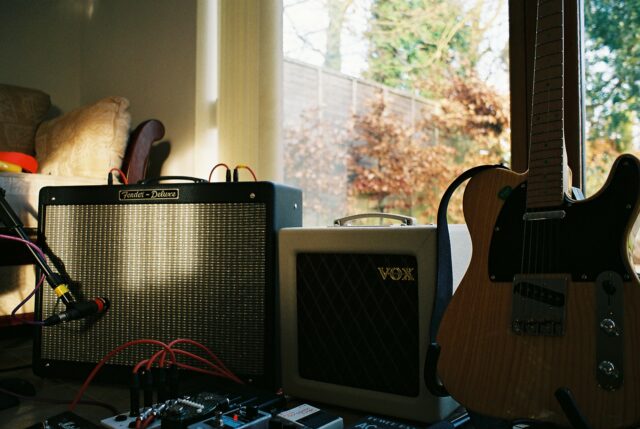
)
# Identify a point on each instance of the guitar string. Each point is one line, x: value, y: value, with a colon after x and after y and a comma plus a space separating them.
x: 526, y: 237
x: 538, y: 240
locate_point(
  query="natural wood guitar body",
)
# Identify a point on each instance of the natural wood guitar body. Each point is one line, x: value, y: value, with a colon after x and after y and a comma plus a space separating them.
x: 493, y: 371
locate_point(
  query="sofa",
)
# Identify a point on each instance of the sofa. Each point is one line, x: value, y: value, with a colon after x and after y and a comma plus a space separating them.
x: 79, y: 147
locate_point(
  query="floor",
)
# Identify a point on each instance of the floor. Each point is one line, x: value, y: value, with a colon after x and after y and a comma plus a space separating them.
x: 17, y: 352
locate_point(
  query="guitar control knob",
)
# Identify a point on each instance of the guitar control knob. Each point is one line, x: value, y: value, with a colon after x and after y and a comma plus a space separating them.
x: 608, y: 368
x: 609, y: 327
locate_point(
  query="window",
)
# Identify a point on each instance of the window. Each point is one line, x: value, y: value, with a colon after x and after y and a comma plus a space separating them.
x: 612, y: 80
x: 386, y: 102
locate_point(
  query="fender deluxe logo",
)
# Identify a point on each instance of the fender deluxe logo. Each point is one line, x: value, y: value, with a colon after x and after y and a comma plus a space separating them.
x: 397, y: 273
x: 149, y: 194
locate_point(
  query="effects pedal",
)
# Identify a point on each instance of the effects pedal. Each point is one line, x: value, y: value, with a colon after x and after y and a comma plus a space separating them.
x: 202, y: 411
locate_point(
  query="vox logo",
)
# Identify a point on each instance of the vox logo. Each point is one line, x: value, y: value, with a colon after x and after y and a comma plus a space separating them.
x: 397, y: 273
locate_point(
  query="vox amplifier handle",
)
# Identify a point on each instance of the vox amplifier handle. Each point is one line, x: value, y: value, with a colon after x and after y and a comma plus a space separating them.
x: 346, y: 221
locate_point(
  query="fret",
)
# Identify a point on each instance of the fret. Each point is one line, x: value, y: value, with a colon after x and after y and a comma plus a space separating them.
x: 549, y: 72
x: 554, y: 20
x: 541, y: 150
x: 547, y: 136
x: 547, y: 153
x: 550, y: 145
x: 539, y: 163
x: 548, y: 107
x: 549, y: 48
x: 549, y: 60
x: 546, y: 8
x: 551, y: 20
x: 556, y: 125
x: 539, y: 166
x: 551, y: 95
x: 550, y: 34
x: 549, y: 117
x: 544, y: 180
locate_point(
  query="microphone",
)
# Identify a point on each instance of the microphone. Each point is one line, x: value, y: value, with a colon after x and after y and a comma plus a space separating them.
x: 79, y: 310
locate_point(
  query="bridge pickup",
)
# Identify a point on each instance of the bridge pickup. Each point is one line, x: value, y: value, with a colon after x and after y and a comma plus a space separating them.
x: 538, y: 304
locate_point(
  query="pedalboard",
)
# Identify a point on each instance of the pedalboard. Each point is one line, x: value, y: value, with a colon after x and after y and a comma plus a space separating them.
x: 205, y: 410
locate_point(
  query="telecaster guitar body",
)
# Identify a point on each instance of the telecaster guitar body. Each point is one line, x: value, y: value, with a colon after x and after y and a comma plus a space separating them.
x: 550, y: 300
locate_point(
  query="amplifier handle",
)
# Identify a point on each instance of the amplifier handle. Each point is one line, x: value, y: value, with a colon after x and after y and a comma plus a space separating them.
x: 345, y: 221
x: 154, y: 180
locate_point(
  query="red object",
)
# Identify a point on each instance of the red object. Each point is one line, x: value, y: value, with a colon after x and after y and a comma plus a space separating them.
x: 27, y: 162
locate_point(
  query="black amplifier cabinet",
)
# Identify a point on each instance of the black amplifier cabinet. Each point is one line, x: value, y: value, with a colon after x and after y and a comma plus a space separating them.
x: 355, y: 309
x: 176, y: 260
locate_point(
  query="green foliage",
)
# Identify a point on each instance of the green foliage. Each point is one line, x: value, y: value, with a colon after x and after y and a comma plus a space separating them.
x: 613, y: 69
x: 415, y: 44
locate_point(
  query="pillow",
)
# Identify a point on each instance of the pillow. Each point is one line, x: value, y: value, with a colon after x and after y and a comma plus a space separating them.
x: 86, y: 142
x: 21, y: 110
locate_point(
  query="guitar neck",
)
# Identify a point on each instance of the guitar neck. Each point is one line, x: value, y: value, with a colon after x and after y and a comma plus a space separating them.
x: 547, y: 154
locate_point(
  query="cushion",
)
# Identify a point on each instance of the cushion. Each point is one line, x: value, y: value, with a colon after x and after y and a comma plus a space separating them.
x: 86, y: 142
x: 21, y: 110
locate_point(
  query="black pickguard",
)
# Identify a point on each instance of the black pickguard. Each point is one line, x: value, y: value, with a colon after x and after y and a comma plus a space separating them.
x: 589, y: 240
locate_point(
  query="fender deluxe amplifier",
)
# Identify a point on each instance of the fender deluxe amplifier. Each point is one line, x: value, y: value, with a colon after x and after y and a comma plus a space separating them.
x: 176, y: 260
x: 355, y: 309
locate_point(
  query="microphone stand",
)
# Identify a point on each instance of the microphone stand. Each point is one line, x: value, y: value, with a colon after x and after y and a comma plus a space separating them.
x: 11, y: 221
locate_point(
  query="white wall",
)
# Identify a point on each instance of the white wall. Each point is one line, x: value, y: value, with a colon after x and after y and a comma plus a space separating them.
x: 40, y: 47
x: 146, y: 50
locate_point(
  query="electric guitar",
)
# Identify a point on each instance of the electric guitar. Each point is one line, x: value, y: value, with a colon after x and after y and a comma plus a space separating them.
x: 551, y: 299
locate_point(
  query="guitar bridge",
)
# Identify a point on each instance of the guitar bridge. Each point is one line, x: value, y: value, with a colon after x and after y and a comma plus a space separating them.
x: 538, y: 305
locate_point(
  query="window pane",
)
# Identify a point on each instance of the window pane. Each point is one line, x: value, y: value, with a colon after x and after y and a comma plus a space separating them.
x: 386, y: 102
x: 612, y: 72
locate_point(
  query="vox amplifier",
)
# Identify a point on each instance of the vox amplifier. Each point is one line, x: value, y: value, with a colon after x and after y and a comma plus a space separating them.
x: 355, y: 309
x: 179, y: 260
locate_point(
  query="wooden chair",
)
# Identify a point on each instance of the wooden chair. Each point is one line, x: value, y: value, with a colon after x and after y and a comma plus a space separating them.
x: 136, y: 157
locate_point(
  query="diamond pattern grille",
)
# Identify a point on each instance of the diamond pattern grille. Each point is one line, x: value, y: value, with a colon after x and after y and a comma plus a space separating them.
x: 354, y: 327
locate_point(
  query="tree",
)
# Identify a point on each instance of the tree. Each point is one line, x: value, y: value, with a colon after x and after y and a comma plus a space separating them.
x: 418, y: 45
x: 388, y: 166
x: 337, y: 11
x: 613, y: 69
x: 474, y: 119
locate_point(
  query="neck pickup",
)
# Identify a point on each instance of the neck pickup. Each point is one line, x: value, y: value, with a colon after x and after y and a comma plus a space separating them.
x: 544, y: 215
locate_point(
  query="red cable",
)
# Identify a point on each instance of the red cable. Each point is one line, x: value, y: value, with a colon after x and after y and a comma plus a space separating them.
x: 246, y: 167
x: 141, y: 363
x: 216, y: 166
x: 219, y: 372
x: 223, y: 371
x: 112, y: 353
x: 215, y: 358
x: 196, y: 369
x: 123, y: 176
